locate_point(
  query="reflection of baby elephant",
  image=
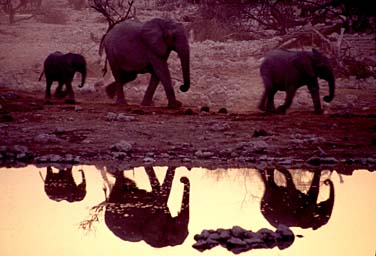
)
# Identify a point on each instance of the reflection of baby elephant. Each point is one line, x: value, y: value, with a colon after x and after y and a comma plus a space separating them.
x: 289, y: 206
x: 134, y: 214
x: 61, y: 68
x: 61, y: 185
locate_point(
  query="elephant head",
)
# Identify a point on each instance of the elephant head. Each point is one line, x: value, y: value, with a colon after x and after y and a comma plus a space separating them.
x: 78, y: 64
x: 315, y: 64
x: 61, y: 185
x: 289, y: 206
x: 163, y: 36
x: 134, y: 214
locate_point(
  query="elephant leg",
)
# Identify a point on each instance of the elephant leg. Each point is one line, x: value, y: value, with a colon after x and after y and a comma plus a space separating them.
x: 270, y: 101
x: 262, y: 104
x: 47, y: 98
x: 315, y: 94
x: 70, y: 93
x: 155, y: 185
x: 267, y: 100
x: 148, y: 97
x: 167, y: 184
x: 290, y: 93
x: 59, y: 93
x: 288, y: 176
x: 313, y: 191
x: 160, y: 68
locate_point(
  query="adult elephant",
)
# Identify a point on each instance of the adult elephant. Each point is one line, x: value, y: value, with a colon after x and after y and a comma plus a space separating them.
x: 135, y: 214
x: 134, y: 48
x: 289, y: 206
x: 284, y: 70
x: 61, y: 68
x: 61, y: 186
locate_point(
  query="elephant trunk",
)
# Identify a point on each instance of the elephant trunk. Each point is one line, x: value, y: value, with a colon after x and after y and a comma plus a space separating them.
x: 184, y: 60
x: 331, y: 81
x: 325, y: 208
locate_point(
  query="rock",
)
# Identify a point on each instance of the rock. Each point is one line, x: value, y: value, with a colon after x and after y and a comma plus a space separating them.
x: 53, y: 158
x: 149, y: 160
x: 238, y: 239
x: 219, y: 127
x: 237, y: 231
x: 205, y: 109
x: 124, y: 118
x: 111, y: 116
x: 47, y: 138
x: 315, y: 160
x: 122, y: 146
x: 222, y: 111
x: 285, y: 237
x: 259, y: 133
x: 203, y: 154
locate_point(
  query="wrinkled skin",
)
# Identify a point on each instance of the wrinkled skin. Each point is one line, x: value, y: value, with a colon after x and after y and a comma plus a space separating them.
x: 61, y: 68
x: 135, y: 214
x: 284, y: 70
x: 134, y: 48
x: 289, y: 206
x: 61, y: 186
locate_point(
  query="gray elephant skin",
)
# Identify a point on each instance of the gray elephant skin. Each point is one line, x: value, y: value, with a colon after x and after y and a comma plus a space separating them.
x: 61, y: 68
x: 134, y: 48
x: 134, y: 214
x: 285, y: 70
x: 289, y: 206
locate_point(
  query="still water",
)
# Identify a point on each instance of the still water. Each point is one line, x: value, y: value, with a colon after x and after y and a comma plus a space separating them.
x: 136, y: 213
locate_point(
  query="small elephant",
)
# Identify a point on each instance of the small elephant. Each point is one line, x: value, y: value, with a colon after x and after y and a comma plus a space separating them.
x: 289, y: 206
x: 134, y: 48
x: 61, y: 185
x: 284, y: 70
x: 61, y: 68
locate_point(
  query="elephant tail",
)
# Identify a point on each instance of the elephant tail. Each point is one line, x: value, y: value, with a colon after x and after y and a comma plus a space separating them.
x: 40, y: 77
x: 101, y: 45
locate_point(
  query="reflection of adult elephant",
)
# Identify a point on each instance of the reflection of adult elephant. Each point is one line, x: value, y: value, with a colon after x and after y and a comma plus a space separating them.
x: 134, y: 214
x: 291, y: 207
x: 61, y: 68
x: 134, y: 48
x: 61, y: 185
x: 284, y: 70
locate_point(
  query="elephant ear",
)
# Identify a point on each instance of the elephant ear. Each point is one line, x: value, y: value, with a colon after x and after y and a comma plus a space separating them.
x: 152, y: 34
x: 303, y: 63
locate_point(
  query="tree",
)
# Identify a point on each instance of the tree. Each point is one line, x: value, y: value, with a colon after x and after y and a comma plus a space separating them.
x: 10, y: 7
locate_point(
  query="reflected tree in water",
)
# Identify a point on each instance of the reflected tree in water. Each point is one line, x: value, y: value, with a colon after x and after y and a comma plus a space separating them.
x: 135, y: 214
x: 289, y: 206
x: 60, y: 185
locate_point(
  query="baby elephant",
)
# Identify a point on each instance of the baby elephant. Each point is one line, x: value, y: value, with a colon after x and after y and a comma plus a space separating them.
x: 61, y: 68
x: 284, y: 70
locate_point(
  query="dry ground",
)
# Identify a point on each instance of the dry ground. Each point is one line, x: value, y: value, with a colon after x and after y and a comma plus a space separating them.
x: 223, y: 75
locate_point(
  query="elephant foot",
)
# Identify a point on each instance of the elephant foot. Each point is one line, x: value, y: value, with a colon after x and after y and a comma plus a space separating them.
x: 121, y: 101
x: 281, y: 110
x: 146, y: 103
x: 319, y: 111
x: 47, y: 102
x: 60, y: 94
x: 174, y: 105
x: 184, y: 180
x: 70, y: 101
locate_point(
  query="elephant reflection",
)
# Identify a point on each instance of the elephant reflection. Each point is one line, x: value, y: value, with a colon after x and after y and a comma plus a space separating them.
x: 289, y: 206
x: 135, y: 214
x: 61, y: 185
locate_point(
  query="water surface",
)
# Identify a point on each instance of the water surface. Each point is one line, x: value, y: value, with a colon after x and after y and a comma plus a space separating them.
x: 39, y: 219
